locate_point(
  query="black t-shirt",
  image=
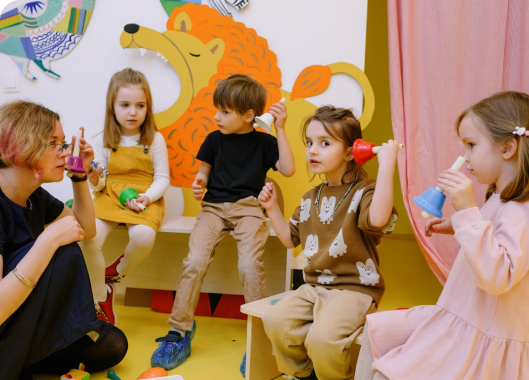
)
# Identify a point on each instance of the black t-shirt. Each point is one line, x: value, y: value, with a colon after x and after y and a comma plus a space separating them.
x: 239, y: 164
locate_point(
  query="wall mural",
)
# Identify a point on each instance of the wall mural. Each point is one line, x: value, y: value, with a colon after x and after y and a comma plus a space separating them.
x: 205, y: 47
x: 43, y: 31
x: 219, y: 5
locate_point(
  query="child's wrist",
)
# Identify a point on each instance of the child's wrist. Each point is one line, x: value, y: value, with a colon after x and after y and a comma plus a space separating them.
x: 386, y: 168
x: 274, y: 210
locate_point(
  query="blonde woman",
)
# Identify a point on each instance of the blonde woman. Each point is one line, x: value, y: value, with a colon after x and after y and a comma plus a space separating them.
x: 47, y: 318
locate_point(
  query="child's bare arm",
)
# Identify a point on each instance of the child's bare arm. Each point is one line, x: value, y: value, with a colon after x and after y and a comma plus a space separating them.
x: 268, y: 199
x: 286, y: 164
x: 382, y: 203
x: 201, y: 180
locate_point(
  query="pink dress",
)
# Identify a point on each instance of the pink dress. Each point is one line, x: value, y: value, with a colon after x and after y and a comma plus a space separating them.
x: 479, y: 328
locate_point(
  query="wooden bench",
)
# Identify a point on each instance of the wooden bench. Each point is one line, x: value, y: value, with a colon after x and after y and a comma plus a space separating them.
x: 161, y: 269
x: 260, y: 360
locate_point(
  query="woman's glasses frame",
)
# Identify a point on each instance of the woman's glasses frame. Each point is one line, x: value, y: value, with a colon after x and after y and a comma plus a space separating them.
x: 59, y: 147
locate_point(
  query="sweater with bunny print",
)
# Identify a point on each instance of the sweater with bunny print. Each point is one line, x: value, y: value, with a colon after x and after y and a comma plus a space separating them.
x: 341, y: 250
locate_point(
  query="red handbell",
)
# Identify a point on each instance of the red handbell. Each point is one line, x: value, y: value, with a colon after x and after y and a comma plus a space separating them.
x: 363, y: 151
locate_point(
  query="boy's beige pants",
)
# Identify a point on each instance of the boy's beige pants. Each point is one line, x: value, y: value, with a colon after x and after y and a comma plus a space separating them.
x: 215, y: 220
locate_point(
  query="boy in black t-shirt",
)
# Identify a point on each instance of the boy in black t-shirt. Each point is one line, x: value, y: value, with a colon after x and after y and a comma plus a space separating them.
x: 235, y: 160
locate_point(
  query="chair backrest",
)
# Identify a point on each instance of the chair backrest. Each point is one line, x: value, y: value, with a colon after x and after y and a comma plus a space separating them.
x: 174, y: 201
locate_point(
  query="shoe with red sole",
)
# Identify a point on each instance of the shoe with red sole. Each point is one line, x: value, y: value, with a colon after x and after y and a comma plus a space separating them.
x: 105, y: 310
x: 112, y: 276
x: 100, y: 314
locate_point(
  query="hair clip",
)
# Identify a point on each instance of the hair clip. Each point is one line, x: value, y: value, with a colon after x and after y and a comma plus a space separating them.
x: 520, y: 131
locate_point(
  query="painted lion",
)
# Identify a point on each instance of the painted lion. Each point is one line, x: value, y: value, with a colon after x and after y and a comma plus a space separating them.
x: 204, y: 48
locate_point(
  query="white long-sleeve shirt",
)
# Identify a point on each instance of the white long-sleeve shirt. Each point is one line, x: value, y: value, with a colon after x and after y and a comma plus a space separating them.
x: 160, y: 161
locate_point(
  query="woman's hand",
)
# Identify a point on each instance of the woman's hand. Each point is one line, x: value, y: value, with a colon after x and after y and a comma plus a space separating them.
x: 86, y: 153
x: 438, y: 226
x: 458, y: 187
x: 268, y: 196
x: 63, y: 231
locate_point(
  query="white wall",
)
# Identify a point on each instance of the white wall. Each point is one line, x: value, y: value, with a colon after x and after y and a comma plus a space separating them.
x: 300, y: 32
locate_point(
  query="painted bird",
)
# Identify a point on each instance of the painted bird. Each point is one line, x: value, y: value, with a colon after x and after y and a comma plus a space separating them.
x: 42, y: 31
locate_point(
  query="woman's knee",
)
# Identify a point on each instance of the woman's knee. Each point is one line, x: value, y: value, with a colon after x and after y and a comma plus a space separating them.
x: 115, y: 346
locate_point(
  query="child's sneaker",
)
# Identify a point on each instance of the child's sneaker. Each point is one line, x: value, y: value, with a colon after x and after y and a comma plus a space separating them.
x: 173, y: 349
x: 111, y: 273
x: 100, y: 314
x: 106, y: 312
x: 242, y: 368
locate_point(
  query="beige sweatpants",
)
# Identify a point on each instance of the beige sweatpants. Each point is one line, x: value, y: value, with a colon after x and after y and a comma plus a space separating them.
x: 314, y: 328
x: 215, y: 220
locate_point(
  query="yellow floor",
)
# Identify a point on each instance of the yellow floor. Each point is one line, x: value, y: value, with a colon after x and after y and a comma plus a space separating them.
x: 217, y: 349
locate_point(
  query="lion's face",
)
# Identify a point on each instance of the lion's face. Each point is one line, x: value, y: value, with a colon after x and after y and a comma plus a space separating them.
x: 194, y: 61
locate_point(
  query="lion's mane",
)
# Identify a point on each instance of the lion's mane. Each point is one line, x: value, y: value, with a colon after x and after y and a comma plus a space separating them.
x: 245, y: 52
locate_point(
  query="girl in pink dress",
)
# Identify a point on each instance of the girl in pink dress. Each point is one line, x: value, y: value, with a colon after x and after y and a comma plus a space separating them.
x: 479, y: 328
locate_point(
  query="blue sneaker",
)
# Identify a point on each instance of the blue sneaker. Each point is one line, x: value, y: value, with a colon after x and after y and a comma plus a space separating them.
x: 173, y: 349
x: 242, y: 368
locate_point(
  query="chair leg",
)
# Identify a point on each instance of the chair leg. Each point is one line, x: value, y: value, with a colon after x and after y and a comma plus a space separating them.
x: 260, y: 361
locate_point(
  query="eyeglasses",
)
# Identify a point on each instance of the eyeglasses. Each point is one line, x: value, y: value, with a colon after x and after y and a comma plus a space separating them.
x: 59, y: 147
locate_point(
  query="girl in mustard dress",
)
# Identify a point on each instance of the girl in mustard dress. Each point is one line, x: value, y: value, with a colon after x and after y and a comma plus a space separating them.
x: 135, y: 155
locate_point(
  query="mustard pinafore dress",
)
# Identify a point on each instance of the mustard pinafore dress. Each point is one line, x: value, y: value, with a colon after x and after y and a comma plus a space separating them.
x: 128, y: 167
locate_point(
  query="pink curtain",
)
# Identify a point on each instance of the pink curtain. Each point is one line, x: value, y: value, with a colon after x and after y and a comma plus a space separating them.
x: 445, y: 55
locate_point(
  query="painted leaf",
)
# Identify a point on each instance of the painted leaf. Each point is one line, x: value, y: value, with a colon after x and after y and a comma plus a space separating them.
x: 312, y: 81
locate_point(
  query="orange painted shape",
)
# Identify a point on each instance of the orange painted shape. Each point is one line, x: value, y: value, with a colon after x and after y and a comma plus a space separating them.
x: 311, y: 81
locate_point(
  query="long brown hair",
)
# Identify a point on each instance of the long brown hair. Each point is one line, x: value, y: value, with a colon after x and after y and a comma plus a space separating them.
x: 112, y: 131
x: 500, y: 114
x: 25, y: 131
x: 343, y: 126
